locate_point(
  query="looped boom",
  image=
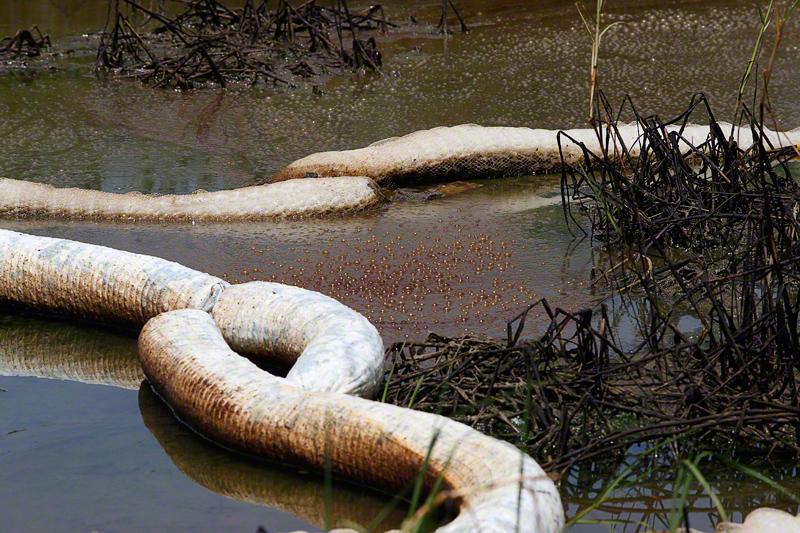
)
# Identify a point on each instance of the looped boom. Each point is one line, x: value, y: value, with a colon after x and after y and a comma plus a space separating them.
x: 309, y: 417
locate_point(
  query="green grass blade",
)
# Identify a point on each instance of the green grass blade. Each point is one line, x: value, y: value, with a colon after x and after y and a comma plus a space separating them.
x: 692, y: 466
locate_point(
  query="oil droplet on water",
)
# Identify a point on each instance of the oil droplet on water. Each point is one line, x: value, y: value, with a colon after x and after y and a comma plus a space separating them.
x: 407, y: 284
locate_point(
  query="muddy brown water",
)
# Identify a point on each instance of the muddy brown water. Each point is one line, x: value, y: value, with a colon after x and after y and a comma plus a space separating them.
x: 83, y: 457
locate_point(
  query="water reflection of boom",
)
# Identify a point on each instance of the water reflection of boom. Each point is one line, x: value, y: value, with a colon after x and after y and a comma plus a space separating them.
x: 54, y: 349
x: 48, y: 348
x: 244, y: 479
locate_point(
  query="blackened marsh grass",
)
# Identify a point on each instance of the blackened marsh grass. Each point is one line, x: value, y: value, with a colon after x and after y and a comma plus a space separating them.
x: 707, y: 231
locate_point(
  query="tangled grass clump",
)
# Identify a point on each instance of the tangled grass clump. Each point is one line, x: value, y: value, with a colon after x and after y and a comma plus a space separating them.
x: 703, y: 259
x: 210, y: 42
x: 25, y: 43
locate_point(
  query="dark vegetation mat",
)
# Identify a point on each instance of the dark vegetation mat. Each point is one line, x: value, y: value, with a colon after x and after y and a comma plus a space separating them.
x: 274, y: 42
x: 24, y: 43
x: 701, y: 254
x: 27, y: 47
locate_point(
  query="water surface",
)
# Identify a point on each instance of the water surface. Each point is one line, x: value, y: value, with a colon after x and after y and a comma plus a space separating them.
x: 105, y: 455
